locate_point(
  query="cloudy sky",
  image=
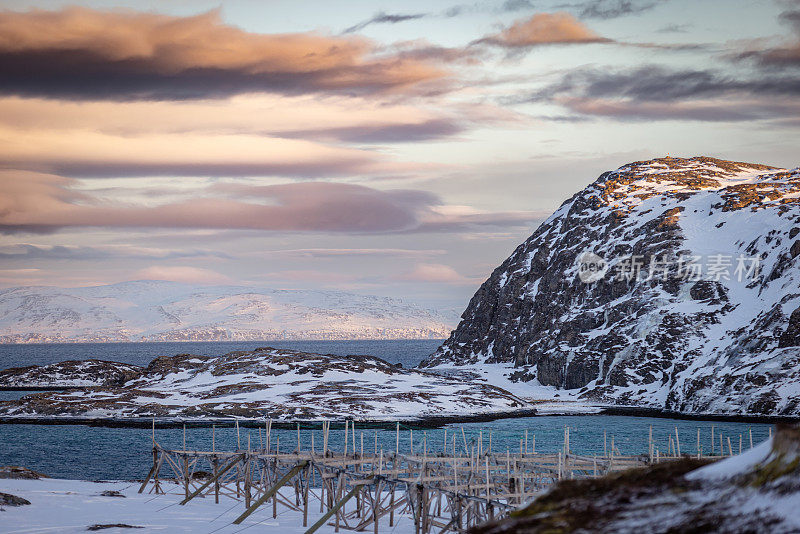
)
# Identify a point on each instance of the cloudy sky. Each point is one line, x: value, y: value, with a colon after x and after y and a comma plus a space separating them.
x: 355, y: 145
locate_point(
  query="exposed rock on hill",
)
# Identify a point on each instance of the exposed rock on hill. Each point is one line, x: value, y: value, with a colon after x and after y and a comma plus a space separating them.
x: 671, y: 283
x: 69, y: 374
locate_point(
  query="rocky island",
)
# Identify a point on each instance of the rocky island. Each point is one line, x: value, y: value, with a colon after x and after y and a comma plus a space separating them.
x: 279, y: 384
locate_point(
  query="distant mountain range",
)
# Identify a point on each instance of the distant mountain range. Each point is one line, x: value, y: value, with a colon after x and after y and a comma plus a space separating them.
x: 671, y: 283
x: 170, y: 311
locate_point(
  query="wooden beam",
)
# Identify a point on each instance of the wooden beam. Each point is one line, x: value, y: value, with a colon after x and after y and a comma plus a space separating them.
x: 336, y: 507
x: 224, y: 470
x: 270, y: 492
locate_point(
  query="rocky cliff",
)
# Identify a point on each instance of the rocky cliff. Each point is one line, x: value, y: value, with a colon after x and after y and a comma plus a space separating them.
x: 671, y: 283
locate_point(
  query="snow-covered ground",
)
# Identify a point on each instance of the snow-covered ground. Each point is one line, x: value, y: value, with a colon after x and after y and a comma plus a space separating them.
x: 71, y: 506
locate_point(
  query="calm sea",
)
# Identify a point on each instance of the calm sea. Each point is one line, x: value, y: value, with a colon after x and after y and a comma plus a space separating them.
x: 96, y: 453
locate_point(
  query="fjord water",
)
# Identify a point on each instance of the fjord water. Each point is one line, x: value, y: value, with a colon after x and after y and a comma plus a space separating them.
x: 95, y: 453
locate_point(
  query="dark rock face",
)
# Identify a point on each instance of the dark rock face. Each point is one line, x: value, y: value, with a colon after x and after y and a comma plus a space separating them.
x: 668, y: 337
x: 791, y: 337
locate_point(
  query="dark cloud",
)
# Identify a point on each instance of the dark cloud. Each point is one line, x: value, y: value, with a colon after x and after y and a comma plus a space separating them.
x: 658, y: 84
x: 657, y: 93
x: 384, y: 133
x: 510, y: 6
x: 610, y: 9
x: 385, y: 18
x: 87, y: 54
x: 27, y: 252
x: 787, y: 55
x: 674, y: 28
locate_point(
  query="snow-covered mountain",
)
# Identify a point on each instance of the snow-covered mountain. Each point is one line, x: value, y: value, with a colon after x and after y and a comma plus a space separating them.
x: 671, y: 283
x: 169, y: 311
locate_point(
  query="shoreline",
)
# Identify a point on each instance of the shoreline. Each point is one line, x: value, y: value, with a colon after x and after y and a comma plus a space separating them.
x: 421, y: 422
x: 433, y: 421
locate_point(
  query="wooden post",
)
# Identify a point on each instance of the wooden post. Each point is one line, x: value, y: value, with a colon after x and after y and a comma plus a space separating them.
x: 487, y: 476
x: 397, y: 445
x: 271, y: 491
x: 345, y: 437
x: 224, y: 470
x: 698, y: 442
x: 335, y: 509
x: 391, y: 507
x: 298, y: 437
x: 309, y: 470
x: 750, y: 432
x: 215, y: 464
x: 730, y: 449
x: 677, y: 441
x: 185, y: 474
x: 712, y: 439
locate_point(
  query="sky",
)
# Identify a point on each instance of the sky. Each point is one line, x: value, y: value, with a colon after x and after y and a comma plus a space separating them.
x: 396, y: 149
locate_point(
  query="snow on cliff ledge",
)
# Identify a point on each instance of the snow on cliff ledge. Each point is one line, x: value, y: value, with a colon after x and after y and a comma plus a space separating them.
x: 692, y: 302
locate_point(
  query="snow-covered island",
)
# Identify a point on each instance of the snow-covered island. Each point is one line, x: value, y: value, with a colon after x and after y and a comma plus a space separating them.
x: 275, y: 383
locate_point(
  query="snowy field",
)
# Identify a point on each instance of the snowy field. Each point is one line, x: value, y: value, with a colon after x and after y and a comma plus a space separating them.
x: 68, y: 506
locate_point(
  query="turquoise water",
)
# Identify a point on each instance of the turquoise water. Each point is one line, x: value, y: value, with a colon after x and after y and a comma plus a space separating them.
x: 97, y: 453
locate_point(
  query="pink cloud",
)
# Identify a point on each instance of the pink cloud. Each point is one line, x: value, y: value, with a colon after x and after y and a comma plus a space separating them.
x: 436, y: 273
x: 182, y: 273
x: 544, y: 28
